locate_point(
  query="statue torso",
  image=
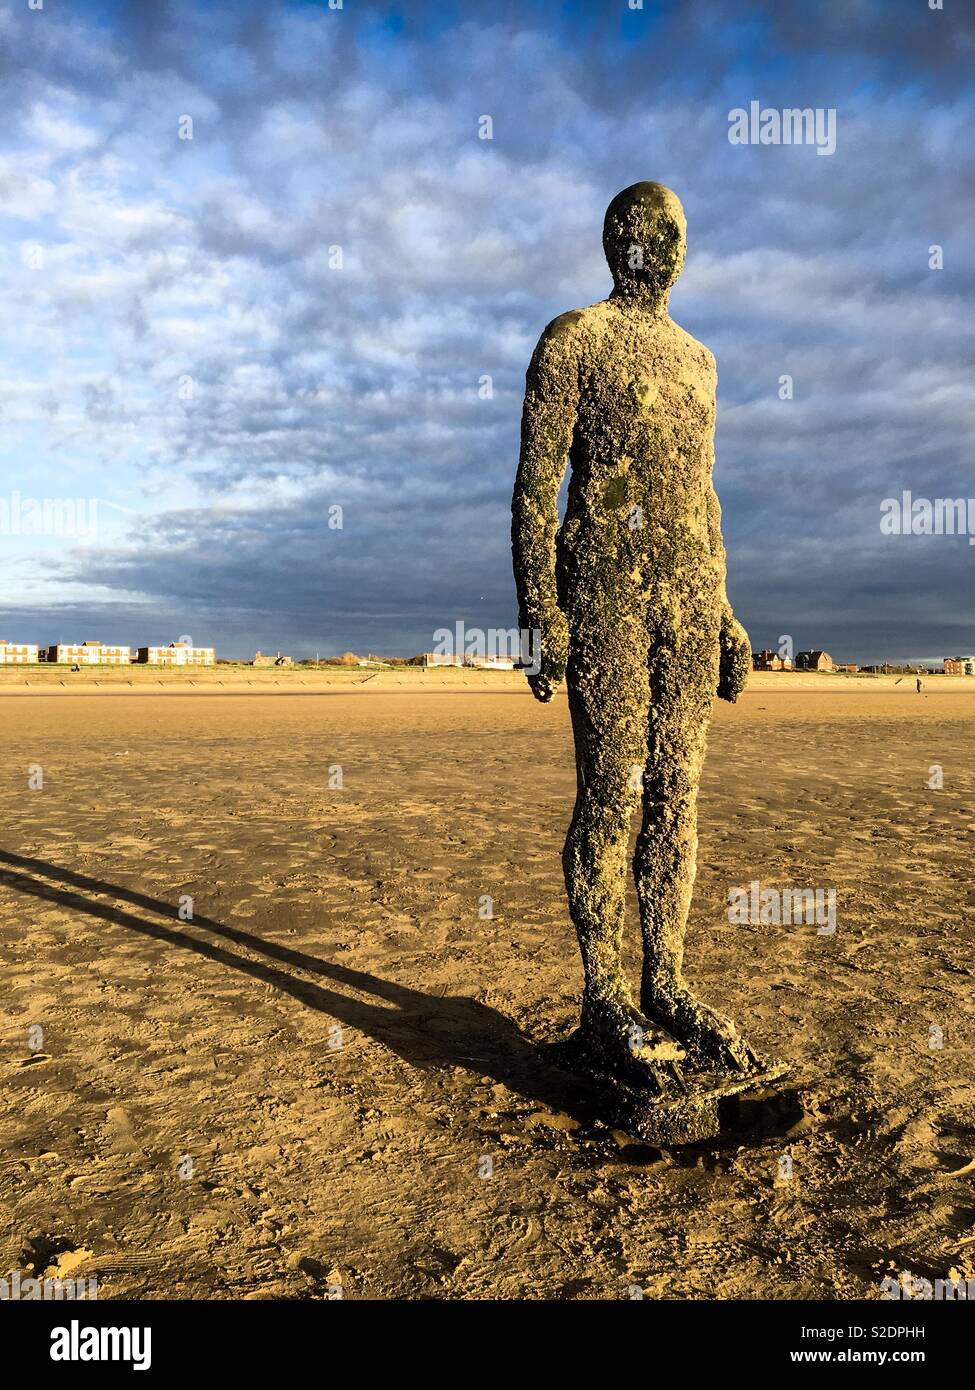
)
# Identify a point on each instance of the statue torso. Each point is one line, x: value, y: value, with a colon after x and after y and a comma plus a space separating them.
x: 642, y: 451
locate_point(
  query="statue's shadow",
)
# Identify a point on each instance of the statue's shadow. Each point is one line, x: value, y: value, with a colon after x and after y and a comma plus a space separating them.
x: 427, y: 1030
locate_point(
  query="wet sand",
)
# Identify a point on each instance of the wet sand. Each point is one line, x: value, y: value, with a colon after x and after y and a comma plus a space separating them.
x: 300, y: 1087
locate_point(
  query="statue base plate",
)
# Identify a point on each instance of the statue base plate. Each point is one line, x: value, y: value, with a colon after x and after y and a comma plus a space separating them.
x: 693, y: 1105
x: 702, y: 1113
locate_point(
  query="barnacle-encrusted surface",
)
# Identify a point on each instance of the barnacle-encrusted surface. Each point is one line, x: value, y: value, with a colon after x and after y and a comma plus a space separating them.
x: 630, y: 599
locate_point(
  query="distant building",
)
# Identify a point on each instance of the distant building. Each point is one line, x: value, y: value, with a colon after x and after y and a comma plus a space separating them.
x: 176, y: 654
x: 115, y: 656
x: 770, y: 661
x: 440, y: 659
x: 89, y: 654
x: 967, y: 665
x: 75, y: 653
x: 953, y: 666
x: 850, y: 667
x: 17, y: 653
x: 261, y: 660
x: 468, y: 659
x: 814, y: 661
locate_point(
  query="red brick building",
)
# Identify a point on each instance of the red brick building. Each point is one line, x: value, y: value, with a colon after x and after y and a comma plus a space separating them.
x: 770, y: 661
x: 814, y: 661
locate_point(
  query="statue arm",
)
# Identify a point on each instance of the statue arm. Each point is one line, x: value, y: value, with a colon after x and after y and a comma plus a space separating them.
x: 717, y: 544
x: 736, y: 649
x: 547, y: 425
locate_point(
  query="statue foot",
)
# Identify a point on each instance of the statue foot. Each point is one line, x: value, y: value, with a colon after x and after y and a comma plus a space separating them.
x: 711, y: 1041
x: 616, y: 1040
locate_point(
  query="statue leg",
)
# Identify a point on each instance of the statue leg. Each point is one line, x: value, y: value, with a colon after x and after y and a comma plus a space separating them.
x: 608, y: 699
x: 683, y: 667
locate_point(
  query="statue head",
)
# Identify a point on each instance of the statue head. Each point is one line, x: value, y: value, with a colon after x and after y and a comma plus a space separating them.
x: 645, y: 240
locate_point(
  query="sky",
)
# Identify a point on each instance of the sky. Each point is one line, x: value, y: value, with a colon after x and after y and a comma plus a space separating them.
x: 213, y: 350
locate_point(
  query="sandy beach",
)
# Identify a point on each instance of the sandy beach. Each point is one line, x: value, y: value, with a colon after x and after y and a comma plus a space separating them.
x: 326, y: 1074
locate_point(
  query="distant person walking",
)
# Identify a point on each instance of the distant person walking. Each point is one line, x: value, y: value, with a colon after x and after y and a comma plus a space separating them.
x: 919, y: 684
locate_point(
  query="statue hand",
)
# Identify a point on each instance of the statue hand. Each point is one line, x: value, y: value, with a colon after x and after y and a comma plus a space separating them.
x: 547, y: 671
x: 543, y: 687
x: 736, y: 658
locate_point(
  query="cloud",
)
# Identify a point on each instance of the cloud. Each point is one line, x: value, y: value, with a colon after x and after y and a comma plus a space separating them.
x: 294, y: 309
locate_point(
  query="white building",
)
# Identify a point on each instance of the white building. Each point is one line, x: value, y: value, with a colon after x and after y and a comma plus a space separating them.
x: 76, y: 653
x: 89, y: 654
x: 177, y: 654
x: 17, y: 653
x: 482, y: 663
